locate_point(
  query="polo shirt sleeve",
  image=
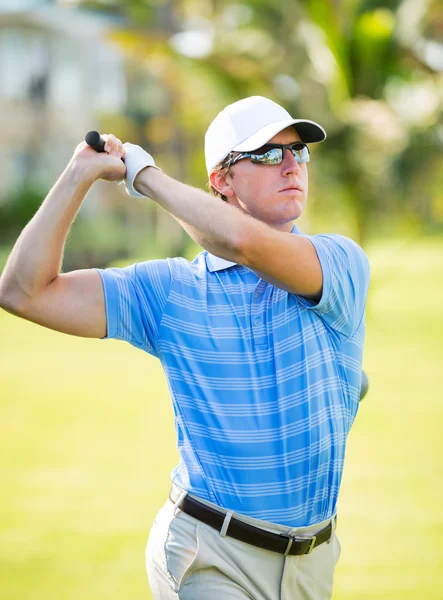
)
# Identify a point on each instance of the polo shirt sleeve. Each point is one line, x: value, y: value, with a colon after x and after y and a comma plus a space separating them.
x: 345, y: 270
x: 135, y: 299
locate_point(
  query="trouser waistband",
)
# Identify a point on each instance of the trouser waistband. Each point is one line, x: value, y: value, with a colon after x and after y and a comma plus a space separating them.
x: 223, y: 521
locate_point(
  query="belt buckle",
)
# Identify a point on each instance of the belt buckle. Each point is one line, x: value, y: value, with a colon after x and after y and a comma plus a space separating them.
x: 293, y: 538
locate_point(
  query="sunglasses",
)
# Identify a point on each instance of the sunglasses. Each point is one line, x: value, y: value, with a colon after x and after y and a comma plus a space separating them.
x: 271, y: 154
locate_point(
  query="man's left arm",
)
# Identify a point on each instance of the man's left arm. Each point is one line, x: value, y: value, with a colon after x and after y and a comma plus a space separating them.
x: 288, y: 261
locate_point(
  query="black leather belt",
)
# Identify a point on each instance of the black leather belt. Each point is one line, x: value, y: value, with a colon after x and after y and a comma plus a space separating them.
x: 276, y: 542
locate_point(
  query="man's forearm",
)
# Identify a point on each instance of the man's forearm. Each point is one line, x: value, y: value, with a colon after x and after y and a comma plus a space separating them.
x: 36, y: 257
x: 217, y: 226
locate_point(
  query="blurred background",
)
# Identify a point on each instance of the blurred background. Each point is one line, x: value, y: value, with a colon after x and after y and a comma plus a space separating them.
x: 87, y: 436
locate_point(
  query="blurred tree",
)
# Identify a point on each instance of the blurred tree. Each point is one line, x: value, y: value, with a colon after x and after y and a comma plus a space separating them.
x: 21, y: 206
x: 373, y: 64
x: 360, y: 67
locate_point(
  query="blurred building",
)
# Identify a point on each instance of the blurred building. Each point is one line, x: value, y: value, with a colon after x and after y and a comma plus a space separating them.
x: 61, y: 75
x: 58, y: 74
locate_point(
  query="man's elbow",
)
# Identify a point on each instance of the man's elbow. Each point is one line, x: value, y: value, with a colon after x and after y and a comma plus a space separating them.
x: 12, y: 298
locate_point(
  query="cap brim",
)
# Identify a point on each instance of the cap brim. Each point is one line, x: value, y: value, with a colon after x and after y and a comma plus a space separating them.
x: 309, y: 132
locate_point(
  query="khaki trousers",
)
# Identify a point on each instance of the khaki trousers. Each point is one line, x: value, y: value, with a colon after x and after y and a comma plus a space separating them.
x: 189, y: 560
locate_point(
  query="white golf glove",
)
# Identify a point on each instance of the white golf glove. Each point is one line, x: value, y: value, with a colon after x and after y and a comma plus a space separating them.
x: 136, y: 159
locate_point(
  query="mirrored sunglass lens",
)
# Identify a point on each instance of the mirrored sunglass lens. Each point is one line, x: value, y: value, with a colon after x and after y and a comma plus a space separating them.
x: 272, y: 157
x: 301, y: 153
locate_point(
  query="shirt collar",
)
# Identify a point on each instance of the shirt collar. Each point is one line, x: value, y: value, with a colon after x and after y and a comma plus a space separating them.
x: 215, y: 263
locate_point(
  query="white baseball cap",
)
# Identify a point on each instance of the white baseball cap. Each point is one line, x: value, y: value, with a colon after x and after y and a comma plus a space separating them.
x: 250, y: 123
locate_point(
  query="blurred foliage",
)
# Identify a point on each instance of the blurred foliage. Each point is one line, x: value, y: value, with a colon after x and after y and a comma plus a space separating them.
x: 370, y: 71
x: 355, y: 66
x: 18, y: 210
x: 95, y: 242
x: 139, y: 11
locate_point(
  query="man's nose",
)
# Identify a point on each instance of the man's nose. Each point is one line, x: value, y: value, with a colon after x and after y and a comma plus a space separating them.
x: 289, y: 164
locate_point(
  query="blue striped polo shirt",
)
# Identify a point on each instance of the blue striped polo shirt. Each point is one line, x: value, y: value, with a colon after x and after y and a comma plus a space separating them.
x: 264, y: 383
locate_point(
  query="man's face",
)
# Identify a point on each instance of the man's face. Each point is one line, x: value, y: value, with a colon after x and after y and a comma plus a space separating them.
x: 275, y: 194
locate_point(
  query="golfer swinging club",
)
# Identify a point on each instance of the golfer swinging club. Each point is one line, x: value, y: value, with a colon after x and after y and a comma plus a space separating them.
x: 261, y: 340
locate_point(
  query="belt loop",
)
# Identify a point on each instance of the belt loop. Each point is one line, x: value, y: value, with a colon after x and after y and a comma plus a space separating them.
x: 289, y: 546
x: 333, y: 526
x: 225, y: 525
x: 179, y: 501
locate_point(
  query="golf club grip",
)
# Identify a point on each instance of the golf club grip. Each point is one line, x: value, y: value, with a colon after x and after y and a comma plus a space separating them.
x: 94, y: 139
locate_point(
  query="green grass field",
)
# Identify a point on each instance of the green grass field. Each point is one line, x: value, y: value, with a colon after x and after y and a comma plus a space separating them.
x: 87, y: 445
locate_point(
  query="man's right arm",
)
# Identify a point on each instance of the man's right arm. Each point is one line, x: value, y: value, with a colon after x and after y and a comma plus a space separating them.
x: 31, y: 285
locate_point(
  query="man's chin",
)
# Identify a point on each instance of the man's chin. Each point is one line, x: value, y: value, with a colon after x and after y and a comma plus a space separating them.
x: 284, y: 224
x: 297, y: 210
x: 282, y: 216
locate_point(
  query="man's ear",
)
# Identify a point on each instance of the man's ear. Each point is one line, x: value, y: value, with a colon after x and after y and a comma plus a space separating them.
x: 219, y: 181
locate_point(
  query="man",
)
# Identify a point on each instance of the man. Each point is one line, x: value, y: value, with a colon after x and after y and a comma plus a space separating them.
x: 261, y: 339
